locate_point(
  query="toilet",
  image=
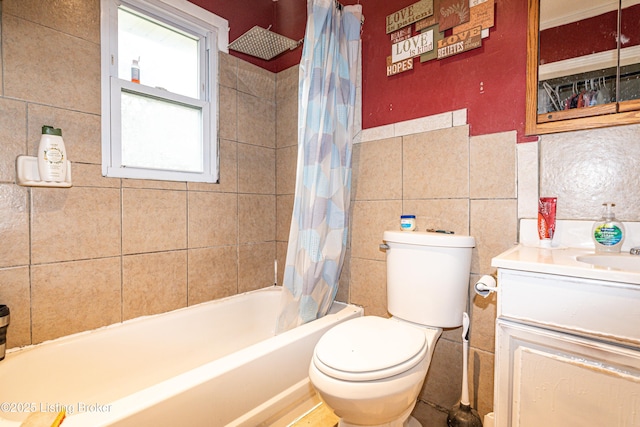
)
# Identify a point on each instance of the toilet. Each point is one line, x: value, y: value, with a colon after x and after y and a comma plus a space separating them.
x: 370, y: 370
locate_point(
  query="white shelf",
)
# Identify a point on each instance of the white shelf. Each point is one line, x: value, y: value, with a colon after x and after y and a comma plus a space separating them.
x: 27, y: 174
x: 588, y: 63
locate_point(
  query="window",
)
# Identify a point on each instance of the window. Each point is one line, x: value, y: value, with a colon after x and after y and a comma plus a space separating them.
x: 159, y: 90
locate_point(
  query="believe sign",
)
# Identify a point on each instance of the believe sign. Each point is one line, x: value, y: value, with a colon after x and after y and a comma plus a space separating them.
x: 417, y: 45
x: 461, y: 42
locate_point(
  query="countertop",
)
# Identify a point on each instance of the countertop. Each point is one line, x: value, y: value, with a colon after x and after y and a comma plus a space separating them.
x: 562, y: 261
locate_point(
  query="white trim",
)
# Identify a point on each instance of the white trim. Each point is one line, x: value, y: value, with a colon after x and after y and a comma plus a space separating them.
x: 207, y: 19
x: 565, y: 12
x: 587, y: 63
x: 419, y: 125
x: 208, y: 26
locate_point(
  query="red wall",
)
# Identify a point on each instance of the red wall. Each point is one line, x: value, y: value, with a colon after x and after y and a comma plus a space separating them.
x: 592, y: 35
x: 597, y: 34
x: 489, y: 81
x: 286, y: 17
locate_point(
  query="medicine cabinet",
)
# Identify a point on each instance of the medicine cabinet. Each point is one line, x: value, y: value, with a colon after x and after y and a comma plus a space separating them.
x: 583, y: 64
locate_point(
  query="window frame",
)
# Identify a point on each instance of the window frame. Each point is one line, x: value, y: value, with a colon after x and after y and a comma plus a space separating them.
x: 213, y: 34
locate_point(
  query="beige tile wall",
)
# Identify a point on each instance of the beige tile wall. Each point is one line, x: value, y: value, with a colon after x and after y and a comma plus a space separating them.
x: 432, y: 168
x: 449, y: 181
x: 480, y: 186
x: 107, y: 250
x: 286, y: 157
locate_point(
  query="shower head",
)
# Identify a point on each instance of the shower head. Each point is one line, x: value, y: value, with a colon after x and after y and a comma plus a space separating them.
x: 262, y: 43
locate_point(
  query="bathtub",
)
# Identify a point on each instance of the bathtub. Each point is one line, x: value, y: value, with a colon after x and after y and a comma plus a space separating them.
x: 212, y: 364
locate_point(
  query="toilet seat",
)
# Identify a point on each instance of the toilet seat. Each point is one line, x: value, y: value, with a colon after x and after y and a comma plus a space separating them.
x: 369, y: 348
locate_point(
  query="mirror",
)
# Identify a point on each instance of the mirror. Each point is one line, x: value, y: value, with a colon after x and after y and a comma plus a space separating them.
x: 629, y: 98
x: 580, y: 73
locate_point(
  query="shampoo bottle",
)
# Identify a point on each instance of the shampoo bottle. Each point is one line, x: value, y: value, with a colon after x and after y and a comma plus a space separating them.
x: 608, y: 233
x: 52, y: 156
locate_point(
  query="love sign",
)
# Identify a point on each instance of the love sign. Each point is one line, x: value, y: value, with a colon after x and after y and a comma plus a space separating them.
x: 414, y: 46
x: 409, y: 15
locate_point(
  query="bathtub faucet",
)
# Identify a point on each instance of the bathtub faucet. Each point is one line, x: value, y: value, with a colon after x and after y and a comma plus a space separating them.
x: 4, y: 325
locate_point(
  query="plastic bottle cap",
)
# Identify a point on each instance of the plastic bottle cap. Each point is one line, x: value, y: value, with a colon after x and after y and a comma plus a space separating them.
x: 50, y: 130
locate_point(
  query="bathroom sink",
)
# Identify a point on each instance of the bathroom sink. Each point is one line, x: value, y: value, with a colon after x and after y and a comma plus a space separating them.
x: 617, y: 261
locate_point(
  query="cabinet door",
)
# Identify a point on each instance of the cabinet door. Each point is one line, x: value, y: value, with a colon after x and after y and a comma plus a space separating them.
x: 546, y: 378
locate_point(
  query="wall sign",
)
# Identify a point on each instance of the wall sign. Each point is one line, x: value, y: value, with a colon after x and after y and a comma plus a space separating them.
x: 401, y: 34
x: 437, y: 36
x: 481, y: 14
x: 398, y: 67
x: 430, y: 20
x: 444, y: 28
x: 417, y: 45
x: 452, y: 13
x: 461, y: 42
x: 409, y: 15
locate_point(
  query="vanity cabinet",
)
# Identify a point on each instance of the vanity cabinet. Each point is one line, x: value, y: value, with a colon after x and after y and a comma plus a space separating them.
x: 567, y: 351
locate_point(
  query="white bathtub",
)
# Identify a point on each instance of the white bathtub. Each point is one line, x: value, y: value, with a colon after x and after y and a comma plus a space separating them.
x: 213, y: 364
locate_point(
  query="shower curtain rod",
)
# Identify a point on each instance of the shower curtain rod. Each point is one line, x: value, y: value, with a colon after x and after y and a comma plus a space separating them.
x: 339, y: 6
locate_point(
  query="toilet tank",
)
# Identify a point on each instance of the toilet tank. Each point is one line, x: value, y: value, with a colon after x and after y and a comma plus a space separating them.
x: 428, y: 276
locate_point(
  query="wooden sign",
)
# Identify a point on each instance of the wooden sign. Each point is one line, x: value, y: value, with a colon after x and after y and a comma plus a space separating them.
x: 470, y: 20
x: 437, y: 36
x: 398, y: 67
x: 481, y: 14
x: 409, y: 15
x: 452, y: 13
x: 430, y: 20
x: 461, y: 42
x: 401, y: 34
x: 414, y: 46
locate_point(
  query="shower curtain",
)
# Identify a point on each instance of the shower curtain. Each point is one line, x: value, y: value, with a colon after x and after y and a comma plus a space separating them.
x: 326, y: 104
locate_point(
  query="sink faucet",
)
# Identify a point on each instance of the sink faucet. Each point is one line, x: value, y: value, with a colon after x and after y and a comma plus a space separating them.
x: 635, y: 251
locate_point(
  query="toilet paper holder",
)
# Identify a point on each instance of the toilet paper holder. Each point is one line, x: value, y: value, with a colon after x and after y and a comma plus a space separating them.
x: 486, y: 285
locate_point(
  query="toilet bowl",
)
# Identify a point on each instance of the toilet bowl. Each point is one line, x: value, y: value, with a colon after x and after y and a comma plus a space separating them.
x: 370, y: 370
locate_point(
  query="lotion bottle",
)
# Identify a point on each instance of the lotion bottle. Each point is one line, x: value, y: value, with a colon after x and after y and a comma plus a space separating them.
x: 52, y: 155
x: 608, y: 233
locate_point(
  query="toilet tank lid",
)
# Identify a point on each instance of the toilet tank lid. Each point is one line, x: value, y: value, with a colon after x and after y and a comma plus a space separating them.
x: 428, y: 238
